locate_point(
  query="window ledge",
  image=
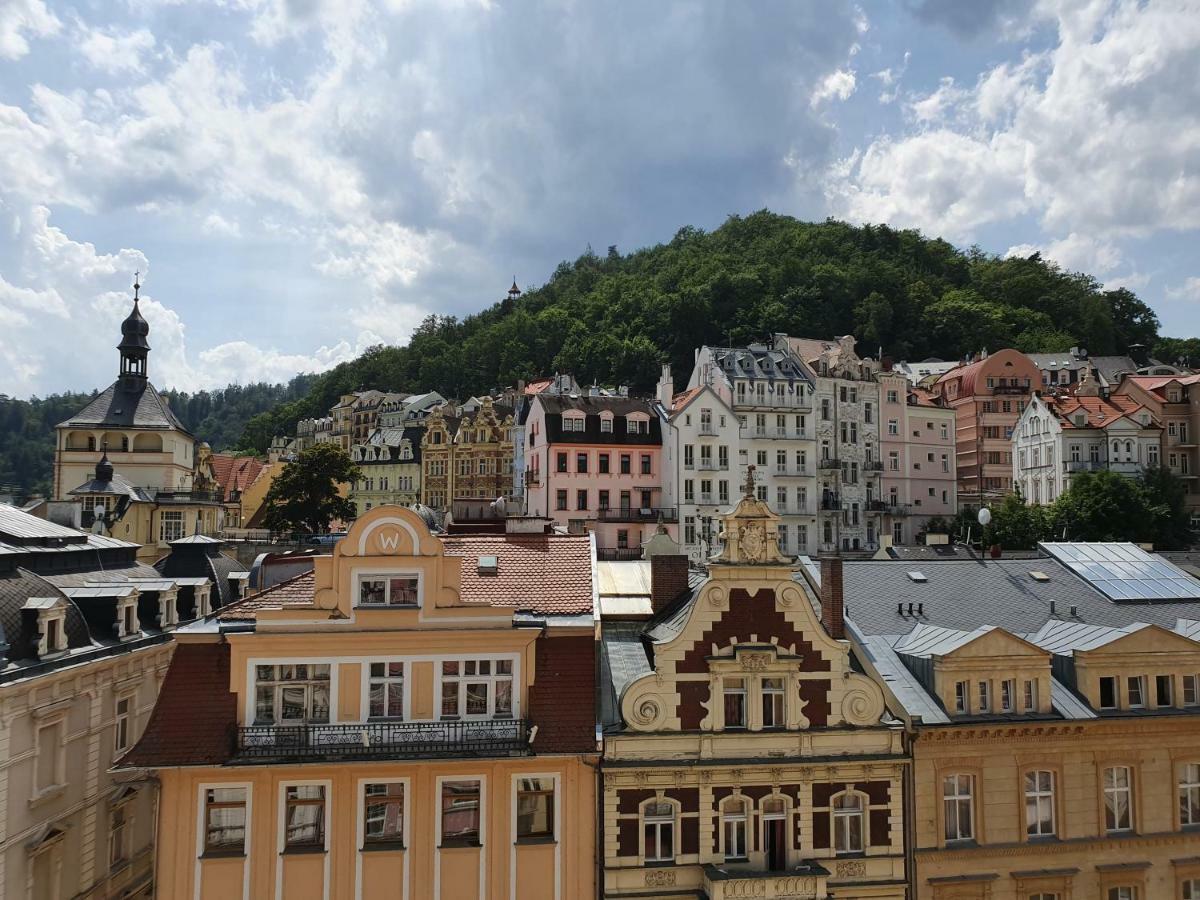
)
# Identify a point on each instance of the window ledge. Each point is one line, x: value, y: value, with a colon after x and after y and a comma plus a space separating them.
x: 47, y: 794
x: 457, y: 843
x: 536, y: 839
x: 382, y: 846
x: 302, y: 850
x: 223, y: 854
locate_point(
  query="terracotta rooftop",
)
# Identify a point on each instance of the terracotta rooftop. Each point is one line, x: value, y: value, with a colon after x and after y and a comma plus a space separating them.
x: 235, y: 473
x: 1100, y: 412
x: 679, y: 401
x: 1155, y: 382
x: 297, y: 591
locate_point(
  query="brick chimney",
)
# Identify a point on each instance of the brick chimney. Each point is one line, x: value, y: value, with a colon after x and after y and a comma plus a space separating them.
x: 832, y: 611
x: 668, y: 579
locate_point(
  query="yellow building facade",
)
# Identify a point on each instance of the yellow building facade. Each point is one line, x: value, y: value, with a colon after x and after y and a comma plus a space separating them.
x: 390, y: 725
x: 467, y: 457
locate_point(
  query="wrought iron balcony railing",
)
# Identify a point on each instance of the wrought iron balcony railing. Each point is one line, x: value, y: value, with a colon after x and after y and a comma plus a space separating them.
x: 636, y: 513
x: 382, y: 740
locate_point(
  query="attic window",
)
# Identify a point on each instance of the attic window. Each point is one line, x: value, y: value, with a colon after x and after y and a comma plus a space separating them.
x: 1039, y: 576
x: 918, y: 577
x: 489, y: 565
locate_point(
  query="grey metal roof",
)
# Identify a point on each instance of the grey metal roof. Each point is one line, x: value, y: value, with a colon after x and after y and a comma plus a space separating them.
x: 623, y: 659
x: 1064, y: 638
x: 117, y: 486
x: 20, y: 525
x: 761, y: 361
x: 1067, y: 703
x: 905, y: 687
x: 932, y: 640
x: 964, y: 594
x: 196, y: 539
x: 127, y: 404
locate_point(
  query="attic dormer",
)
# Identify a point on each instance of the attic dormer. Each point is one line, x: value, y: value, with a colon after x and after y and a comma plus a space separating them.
x: 50, y: 616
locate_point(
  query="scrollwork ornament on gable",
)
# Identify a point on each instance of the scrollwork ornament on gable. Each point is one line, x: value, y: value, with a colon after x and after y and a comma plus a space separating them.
x: 644, y: 708
x: 789, y: 597
x: 862, y: 701
x: 716, y: 596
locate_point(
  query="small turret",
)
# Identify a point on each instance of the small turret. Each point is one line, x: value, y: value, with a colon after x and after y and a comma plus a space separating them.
x: 134, y: 347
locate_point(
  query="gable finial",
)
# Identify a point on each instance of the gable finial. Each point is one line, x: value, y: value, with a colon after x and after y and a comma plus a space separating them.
x: 136, y: 285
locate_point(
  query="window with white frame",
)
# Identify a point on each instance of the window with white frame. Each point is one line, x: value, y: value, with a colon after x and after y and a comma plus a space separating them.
x: 477, y: 688
x: 1039, y: 803
x: 961, y: 701
x: 535, y: 808
x: 1191, y: 889
x: 1136, y: 685
x: 304, y: 816
x: 1118, y: 799
x: 170, y: 525
x: 984, y: 696
x: 122, y: 724
x: 224, y: 820
x: 1190, y: 694
x: 1030, y: 692
x: 383, y: 813
x: 958, y: 803
x: 461, y: 802
x: 734, y: 691
x: 773, y: 694
x: 849, y: 818
x: 50, y: 755
x: 386, y: 690
x: 1124, y: 892
x: 733, y: 827
x: 658, y: 830
x: 1008, y: 689
x: 389, y: 591
x: 291, y: 694
x: 118, y: 834
x: 1189, y: 795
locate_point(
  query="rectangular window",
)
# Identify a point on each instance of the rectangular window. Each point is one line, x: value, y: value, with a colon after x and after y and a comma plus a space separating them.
x: 1008, y: 691
x: 960, y: 696
x: 581, y: 462
x: 984, y: 697
x: 689, y: 456
x: 603, y: 461
x: 659, y: 831
x: 735, y: 702
x: 535, y: 808
x: 383, y: 813
x: 1189, y: 795
x: 958, y: 804
x: 170, y: 525
x: 1189, y: 690
x: 773, y: 703
x: 626, y: 464
x: 121, y: 726
x: 1136, y: 685
x: 645, y: 464
x: 304, y: 817
x: 1118, y: 799
x: 225, y: 820
x: 389, y: 590
x: 477, y: 689
x: 561, y: 462
x: 1030, y: 695
x: 606, y: 425
x: 294, y: 694
x: 118, y: 836
x: 1108, y: 692
x: 1039, y: 803
x: 560, y: 499
x: 386, y: 691
x: 602, y: 498
x: 1164, y: 694
x: 1123, y: 893
x: 460, y: 812
x: 581, y: 499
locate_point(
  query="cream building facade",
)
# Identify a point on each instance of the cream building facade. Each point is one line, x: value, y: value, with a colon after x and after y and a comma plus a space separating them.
x: 744, y: 756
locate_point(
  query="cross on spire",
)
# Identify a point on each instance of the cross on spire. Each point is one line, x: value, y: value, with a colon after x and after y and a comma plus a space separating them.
x: 136, y: 285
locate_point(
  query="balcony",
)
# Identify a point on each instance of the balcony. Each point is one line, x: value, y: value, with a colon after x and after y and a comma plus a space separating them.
x: 637, y: 514
x: 791, y: 472
x: 708, y: 429
x: 873, y: 465
x: 187, y: 497
x: 785, y: 434
x: 707, y: 465
x: 533, y: 477
x: 618, y: 554
x: 831, y: 503
x: 898, y: 509
x: 1010, y: 389
x: 1082, y: 465
x: 876, y: 506
x: 829, y: 463
x: 382, y: 740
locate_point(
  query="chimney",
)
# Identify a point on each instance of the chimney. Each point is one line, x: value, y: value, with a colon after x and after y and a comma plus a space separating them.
x: 668, y: 579
x: 831, y: 597
x: 666, y: 388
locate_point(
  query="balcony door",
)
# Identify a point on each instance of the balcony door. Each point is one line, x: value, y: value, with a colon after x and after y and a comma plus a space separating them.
x: 775, y: 835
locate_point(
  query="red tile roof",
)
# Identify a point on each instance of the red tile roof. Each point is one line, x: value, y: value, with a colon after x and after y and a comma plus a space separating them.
x: 296, y: 591
x: 538, y: 385
x: 235, y: 473
x: 1155, y: 382
x: 679, y: 401
x: 562, y: 698
x: 1100, y: 412
x: 193, y: 720
x: 542, y: 573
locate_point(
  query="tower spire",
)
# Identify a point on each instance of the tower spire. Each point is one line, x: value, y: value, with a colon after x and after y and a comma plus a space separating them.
x: 134, y: 347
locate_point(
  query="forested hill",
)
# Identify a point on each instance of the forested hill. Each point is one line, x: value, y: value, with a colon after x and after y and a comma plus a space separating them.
x: 616, y: 318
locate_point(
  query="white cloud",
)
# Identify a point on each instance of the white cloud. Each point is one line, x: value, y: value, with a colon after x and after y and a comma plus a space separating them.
x: 1077, y: 253
x: 216, y: 224
x: 890, y: 78
x: 1188, y: 291
x: 1100, y: 135
x: 838, y: 85
x: 114, y: 51
x: 19, y: 18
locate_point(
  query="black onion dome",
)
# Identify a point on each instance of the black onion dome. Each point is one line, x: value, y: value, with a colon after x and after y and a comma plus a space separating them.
x: 134, y: 331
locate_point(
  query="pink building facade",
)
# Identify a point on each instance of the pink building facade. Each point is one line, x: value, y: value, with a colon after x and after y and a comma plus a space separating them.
x: 595, y: 463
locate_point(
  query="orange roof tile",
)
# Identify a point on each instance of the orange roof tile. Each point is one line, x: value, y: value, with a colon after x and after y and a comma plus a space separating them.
x: 1100, y: 412
x: 543, y: 573
x: 296, y: 591
x: 679, y: 401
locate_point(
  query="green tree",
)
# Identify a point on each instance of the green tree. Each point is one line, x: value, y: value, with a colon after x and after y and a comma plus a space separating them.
x: 1015, y: 525
x: 1103, y: 506
x: 1170, y: 521
x: 305, y: 497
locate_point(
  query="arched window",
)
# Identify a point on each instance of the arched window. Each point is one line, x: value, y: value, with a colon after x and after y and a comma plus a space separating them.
x: 658, y: 830
x: 734, y: 815
x: 849, y: 823
x: 1116, y: 447
x: 1129, y: 446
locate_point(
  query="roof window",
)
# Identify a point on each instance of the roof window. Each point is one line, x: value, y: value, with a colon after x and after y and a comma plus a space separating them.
x: 918, y: 577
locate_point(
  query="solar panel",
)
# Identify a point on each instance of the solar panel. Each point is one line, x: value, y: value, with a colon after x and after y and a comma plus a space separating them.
x: 1126, y: 571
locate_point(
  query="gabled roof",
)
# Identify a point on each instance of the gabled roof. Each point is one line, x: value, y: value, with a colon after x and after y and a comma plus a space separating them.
x: 1065, y: 638
x: 296, y: 591
x: 235, y: 473
x: 126, y: 404
x: 931, y: 640
x: 1098, y: 412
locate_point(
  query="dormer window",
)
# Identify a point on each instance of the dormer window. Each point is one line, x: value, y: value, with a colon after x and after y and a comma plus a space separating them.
x: 51, y: 624
x: 127, y: 618
x: 390, y: 591
x: 167, y: 612
x: 575, y: 423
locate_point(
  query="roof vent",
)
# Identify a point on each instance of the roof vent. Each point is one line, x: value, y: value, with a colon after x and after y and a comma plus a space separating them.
x: 1039, y: 576
x: 1074, y: 611
x: 489, y: 565
x: 1053, y: 608
x: 918, y: 577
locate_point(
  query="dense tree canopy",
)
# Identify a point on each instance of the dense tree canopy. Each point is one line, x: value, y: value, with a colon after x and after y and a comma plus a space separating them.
x: 616, y: 318
x: 304, y: 496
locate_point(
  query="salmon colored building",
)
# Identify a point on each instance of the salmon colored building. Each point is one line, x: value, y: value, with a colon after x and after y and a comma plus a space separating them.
x: 412, y: 719
x: 987, y: 396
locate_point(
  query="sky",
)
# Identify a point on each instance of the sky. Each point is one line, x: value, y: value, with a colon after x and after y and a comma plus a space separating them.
x: 297, y: 180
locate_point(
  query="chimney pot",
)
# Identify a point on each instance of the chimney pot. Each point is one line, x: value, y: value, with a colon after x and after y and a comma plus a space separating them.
x: 900, y: 608
x: 920, y: 609
x: 1074, y: 612
x: 910, y: 609
x: 832, y: 604
x: 1052, y: 607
